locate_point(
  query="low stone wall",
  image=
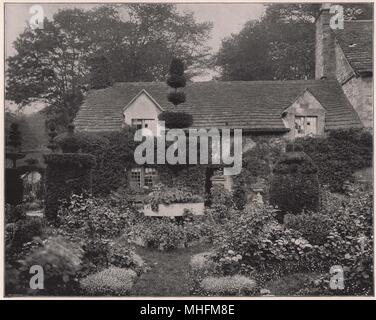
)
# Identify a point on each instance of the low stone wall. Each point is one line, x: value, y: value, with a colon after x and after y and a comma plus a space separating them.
x: 174, y: 209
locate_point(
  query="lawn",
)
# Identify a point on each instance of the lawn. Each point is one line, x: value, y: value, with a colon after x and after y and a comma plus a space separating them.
x: 168, y: 275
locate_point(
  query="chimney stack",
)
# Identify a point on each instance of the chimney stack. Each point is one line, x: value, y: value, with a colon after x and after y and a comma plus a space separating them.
x: 325, y: 45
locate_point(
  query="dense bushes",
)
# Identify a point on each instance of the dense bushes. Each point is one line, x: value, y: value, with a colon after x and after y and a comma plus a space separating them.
x: 114, y: 153
x: 341, y: 234
x: 339, y: 155
x: 92, y: 218
x: 112, y: 281
x: 169, y: 233
x: 66, y: 174
x: 257, y: 167
x: 60, y: 260
x: 294, y: 185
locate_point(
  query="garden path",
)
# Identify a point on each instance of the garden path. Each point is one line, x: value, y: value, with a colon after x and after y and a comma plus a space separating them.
x: 168, y: 275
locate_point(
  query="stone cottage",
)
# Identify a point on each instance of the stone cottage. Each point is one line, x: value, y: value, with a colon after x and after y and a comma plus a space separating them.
x: 340, y: 97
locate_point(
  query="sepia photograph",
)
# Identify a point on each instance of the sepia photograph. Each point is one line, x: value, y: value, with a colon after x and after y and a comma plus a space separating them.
x: 188, y: 150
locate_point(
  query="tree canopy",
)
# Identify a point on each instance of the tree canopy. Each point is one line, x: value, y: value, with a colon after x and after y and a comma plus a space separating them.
x: 279, y: 46
x: 77, y: 50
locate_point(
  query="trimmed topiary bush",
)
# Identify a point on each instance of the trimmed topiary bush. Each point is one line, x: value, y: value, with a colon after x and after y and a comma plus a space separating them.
x: 176, y: 120
x: 294, y: 184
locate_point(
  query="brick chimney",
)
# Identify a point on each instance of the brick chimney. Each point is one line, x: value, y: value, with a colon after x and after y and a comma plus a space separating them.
x: 325, y: 48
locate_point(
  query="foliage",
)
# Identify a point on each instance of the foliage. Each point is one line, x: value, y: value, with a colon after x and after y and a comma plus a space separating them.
x: 14, y: 138
x: 175, y: 120
x: 339, y: 155
x: 14, y: 189
x: 114, y: 153
x: 257, y: 165
x: 112, y: 281
x: 66, y: 174
x: 280, y: 46
x: 123, y: 256
x: 24, y: 231
x: 165, y: 195
x: 164, y: 233
x: 314, y: 227
x: 91, y: 218
x: 60, y: 260
x: 222, y: 204
x: 53, y: 64
x: 14, y: 213
x: 100, y: 72
x: 176, y: 98
x: 230, y: 285
x: 340, y: 234
x: 294, y: 185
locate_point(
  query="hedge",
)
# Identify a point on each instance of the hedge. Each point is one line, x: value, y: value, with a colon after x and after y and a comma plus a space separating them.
x: 339, y: 155
x: 294, y: 184
x: 66, y: 173
x: 13, y: 186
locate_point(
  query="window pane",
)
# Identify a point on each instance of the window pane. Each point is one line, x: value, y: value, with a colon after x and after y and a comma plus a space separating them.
x: 150, y: 174
x: 137, y: 123
x: 136, y: 176
x: 299, y: 126
x: 311, y: 126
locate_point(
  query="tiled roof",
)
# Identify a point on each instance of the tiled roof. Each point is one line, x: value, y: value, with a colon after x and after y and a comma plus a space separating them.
x: 251, y: 105
x: 356, y: 40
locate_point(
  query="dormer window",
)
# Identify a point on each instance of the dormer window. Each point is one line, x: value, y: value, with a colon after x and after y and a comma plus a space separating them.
x: 141, y: 123
x: 305, y: 116
x: 305, y: 126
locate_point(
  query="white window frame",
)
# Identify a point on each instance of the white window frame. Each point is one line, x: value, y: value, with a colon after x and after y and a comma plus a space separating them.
x: 141, y: 183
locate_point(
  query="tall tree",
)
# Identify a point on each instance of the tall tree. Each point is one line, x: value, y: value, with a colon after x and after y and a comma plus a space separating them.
x: 55, y: 64
x: 280, y: 46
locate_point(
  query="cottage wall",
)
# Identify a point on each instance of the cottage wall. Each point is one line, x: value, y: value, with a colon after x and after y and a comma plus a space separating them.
x: 359, y: 91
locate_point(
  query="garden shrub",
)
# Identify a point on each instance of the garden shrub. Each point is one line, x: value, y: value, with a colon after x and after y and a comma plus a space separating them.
x: 112, y: 281
x: 253, y: 243
x: 236, y: 285
x: 66, y: 174
x: 176, y: 120
x: 294, y: 185
x: 25, y: 230
x: 257, y: 166
x: 92, y: 218
x: 314, y: 227
x: 61, y: 260
x: 339, y: 155
x: 123, y: 256
x: 114, y: 153
x: 222, y: 203
x: 14, y: 213
x: 166, y: 233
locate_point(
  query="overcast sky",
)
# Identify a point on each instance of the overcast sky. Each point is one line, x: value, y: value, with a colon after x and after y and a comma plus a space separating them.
x: 227, y: 18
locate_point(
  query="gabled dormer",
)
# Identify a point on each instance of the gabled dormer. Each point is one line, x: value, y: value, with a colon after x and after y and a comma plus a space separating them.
x: 305, y: 116
x: 142, y: 112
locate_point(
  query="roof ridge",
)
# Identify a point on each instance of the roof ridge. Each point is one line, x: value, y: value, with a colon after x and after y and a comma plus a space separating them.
x: 366, y: 20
